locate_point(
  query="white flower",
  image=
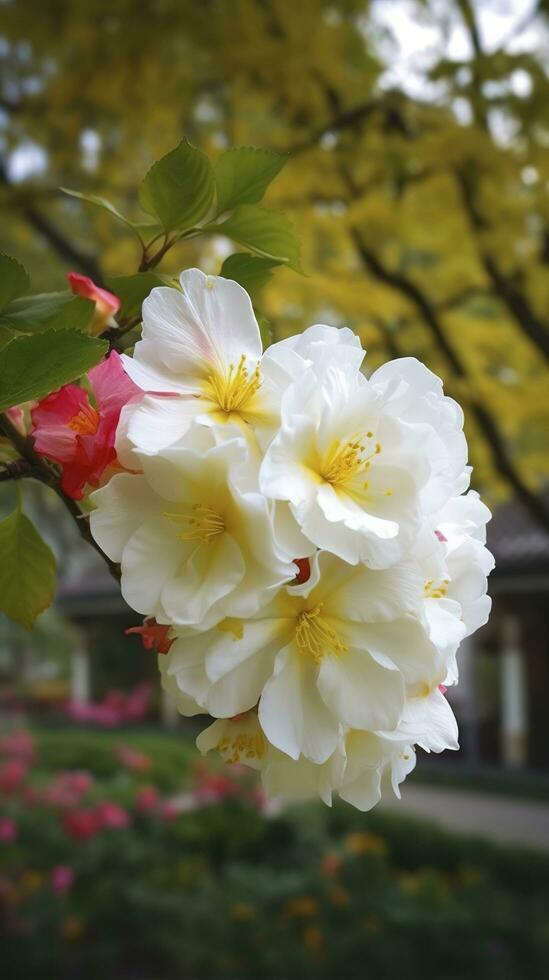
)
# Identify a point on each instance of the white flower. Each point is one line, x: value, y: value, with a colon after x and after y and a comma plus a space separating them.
x: 413, y: 394
x: 320, y: 346
x: 455, y: 564
x: 241, y: 740
x: 340, y: 649
x: 202, y: 345
x: 195, y: 541
x: 351, y: 471
x: 371, y: 762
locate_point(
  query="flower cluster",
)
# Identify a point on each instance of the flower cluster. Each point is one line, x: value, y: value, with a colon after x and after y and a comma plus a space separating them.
x: 306, y: 534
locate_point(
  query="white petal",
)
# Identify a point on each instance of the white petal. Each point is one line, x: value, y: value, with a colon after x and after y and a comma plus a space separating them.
x: 292, y: 713
x: 359, y: 692
x: 121, y: 506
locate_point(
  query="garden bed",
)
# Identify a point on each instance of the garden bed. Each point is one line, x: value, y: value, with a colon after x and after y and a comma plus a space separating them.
x: 146, y: 865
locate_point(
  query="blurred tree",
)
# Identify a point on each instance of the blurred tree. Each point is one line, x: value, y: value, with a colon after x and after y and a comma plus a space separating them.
x: 424, y: 219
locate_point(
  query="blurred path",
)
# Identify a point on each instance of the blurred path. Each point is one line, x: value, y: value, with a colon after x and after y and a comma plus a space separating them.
x: 500, y: 818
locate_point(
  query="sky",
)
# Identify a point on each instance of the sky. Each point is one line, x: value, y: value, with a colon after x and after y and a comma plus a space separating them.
x: 413, y: 42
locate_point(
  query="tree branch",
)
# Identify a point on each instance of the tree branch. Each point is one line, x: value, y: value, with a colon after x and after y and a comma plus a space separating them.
x: 48, y: 230
x: 515, y: 301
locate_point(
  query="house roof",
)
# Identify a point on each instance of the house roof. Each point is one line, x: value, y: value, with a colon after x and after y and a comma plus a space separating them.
x: 519, y: 544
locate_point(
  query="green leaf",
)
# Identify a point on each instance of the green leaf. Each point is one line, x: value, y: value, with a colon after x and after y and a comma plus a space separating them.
x: 45, y: 311
x: 265, y: 232
x: 265, y: 329
x: 146, y: 231
x: 27, y: 570
x: 243, y: 174
x: 33, y: 366
x: 6, y: 335
x: 132, y: 290
x: 101, y: 202
x: 250, y: 271
x: 14, y: 280
x: 179, y: 189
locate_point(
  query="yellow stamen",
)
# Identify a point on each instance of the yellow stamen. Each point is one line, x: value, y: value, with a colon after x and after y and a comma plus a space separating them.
x: 85, y: 422
x: 203, y: 524
x: 233, y: 389
x: 432, y: 590
x: 315, y: 637
x: 343, y: 462
x: 251, y: 746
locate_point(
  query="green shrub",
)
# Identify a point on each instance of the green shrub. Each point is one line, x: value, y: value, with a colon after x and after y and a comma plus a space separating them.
x: 223, y: 890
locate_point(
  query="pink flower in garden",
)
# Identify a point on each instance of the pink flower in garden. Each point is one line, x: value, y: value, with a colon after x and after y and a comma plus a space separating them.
x: 19, y: 743
x: 169, y: 811
x: 62, y: 879
x: 132, y: 759
x: 153, y: 635
x: 12, y: 775
x: 78, y: 781
x: 112, y: 815
x: 106, y: 304
x: 211, y: 787
x: 81, y: 824
x: 8, y: 830
x: 146, y: 799
x: 68, y: 429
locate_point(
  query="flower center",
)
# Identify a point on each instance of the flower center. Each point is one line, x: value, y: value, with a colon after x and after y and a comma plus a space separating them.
x: 434, y: 590
x: 345, y: 460
x: 85, y: 422
x: 314, y: 635
x: 233, y: 389
x: 201, y: 524
x: 251, y: 746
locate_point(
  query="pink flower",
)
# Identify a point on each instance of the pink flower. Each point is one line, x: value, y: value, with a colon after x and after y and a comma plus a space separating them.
x: 132, y: 759
x: 106, y: 304
x: 8, y: 830
x: 153, y: 635
x: 79, y: 781
x: 81, y: 824
x: 112, y: 815
x: 61, y: 878
x: 146, y: 799
x: 12, y: 775
x: 18, y: 743
x: 169, y: 811
x: 70, y: 430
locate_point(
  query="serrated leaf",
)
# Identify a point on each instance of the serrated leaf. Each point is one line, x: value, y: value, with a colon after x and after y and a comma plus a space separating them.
x: 27, y: 570
x: 243, y: 174
x: 33, y: 366
x: 179, y: 189
x: 14, y: 280
x: 251, y: 271
x: 132, y: 290
x: 267, y: 233
x: 63, y: 310
x: 101, y: 202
